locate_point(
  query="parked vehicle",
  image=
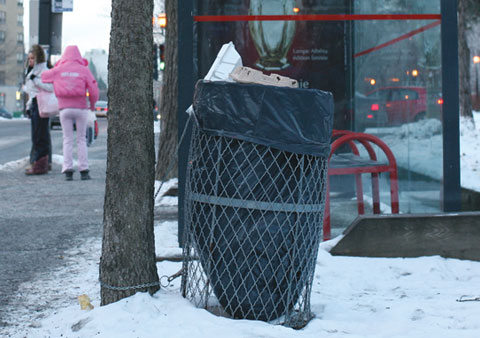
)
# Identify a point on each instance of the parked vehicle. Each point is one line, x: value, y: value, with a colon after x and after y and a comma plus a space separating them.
x: 396, y: 105
x: 55, y: 121
x: 5, y: 113
x: 368, y: 112
x: 101, y: 108
x: 156, y: 114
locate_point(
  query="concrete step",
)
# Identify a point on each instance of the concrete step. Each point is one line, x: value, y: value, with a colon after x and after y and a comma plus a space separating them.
x: 455, y: 235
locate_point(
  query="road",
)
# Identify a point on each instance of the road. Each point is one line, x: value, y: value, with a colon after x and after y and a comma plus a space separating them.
x: 42, y: 216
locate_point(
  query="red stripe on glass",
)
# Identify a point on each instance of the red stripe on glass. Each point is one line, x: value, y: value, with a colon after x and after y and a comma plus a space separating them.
x: 315, y: 17
x: 400, y: 38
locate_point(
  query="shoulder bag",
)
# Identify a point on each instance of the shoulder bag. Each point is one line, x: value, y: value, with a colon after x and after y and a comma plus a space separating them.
x: 47, y: 104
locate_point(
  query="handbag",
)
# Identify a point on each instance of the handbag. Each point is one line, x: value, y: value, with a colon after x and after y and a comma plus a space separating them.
x: 91, y: 119
x: 47, y: 104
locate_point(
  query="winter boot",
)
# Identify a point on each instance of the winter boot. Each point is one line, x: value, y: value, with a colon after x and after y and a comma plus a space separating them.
x: 68, y: 175
x: 84, y: 175
x: 39, y: 167
x: 43, y: 165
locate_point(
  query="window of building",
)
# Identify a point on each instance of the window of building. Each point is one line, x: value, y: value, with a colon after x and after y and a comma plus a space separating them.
x: 20, y: 38
x: 2, y: 78
x: 3, y: 57
x: 20, y: 58
x: 2, y: 36
x: 20, y: 20
x: 20, y: 3
x: 3, y: 16
x: 2, y: 2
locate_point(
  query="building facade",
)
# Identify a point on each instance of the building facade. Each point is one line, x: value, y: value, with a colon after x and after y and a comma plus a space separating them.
x: 12, y: 54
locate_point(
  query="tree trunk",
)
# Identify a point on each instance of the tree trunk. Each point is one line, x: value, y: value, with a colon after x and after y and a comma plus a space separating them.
x: 464, y: 60
x: 128, y: 264
x: 167, y: 159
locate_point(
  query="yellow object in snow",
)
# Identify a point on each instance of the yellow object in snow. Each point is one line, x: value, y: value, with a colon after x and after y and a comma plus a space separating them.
x: 84, y: 302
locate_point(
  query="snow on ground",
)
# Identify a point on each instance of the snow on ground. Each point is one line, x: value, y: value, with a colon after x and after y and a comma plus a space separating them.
x: 419, y: 147
x: 161, y: 188
x: 23, y: 162
x: 351, y: 297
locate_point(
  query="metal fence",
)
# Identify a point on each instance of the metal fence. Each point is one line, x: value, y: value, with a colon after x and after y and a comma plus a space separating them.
x: 253, y: 224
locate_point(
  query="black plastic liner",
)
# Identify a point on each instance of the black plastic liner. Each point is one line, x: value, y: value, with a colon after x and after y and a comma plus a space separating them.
x: 257, y: 250
x: 291, y: 119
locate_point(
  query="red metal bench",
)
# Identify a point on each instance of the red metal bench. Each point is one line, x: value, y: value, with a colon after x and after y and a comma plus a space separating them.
x: 354, y: 164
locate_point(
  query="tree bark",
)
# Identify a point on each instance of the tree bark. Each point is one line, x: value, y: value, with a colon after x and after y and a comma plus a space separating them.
x: 464, y: 60
x: 167, y: 158
x: 128, y: 249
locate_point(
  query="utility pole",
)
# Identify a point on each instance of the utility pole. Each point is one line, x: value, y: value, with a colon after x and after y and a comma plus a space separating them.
x: 44, y: 22
x: 47, y: 31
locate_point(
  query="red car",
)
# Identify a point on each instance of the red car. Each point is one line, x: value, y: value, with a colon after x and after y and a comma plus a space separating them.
x: 101, y: 108
x: 396, y: 105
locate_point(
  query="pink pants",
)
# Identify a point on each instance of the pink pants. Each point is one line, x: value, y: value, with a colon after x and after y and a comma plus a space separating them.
x: 68, y: 116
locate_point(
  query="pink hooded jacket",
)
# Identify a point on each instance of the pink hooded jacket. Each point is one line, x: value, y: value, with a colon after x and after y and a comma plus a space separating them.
x: 71, y: 79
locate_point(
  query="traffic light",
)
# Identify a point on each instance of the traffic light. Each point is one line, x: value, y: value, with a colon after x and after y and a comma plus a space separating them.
x: 162, y: 20
x: 162, y: 56
x: 155, y: 62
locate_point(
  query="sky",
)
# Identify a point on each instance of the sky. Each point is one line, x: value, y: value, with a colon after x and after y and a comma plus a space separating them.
x: 88, y: 26
x: 352, y: 297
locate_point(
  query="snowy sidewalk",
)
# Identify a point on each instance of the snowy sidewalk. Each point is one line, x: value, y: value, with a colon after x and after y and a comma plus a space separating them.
x: 351, y: 297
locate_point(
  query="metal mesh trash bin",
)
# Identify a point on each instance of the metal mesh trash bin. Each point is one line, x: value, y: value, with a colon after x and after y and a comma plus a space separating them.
x: 255, y: 195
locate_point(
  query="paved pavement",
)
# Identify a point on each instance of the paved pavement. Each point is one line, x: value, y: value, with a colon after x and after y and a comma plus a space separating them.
x: 43, y: 216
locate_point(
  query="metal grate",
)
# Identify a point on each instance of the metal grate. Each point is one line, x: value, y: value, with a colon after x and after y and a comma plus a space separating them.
x: 253, y: 224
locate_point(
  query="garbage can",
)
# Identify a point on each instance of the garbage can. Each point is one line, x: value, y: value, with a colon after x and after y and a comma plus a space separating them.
x: 254, y: 199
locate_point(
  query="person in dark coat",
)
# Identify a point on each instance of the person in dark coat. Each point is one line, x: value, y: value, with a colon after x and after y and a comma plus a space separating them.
x: 40, y: 126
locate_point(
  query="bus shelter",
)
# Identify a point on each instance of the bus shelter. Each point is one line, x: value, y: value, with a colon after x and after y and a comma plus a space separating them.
x: 391, y: 65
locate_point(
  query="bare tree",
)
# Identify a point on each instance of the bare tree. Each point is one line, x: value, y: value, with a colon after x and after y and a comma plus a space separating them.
x: 464, y: 15
x: 128, y: 264
x: 167, y: 160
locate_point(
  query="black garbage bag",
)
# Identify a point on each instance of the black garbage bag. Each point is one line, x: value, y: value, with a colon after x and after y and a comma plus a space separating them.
x: 291, y: 119
x: 256, y: 192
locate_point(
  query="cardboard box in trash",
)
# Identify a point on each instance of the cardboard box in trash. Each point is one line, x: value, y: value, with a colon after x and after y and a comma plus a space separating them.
x: 228, y: 67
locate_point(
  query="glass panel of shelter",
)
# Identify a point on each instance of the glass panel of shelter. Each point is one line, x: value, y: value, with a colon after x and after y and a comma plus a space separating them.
x: 402, y: 68
x: 380, y: 59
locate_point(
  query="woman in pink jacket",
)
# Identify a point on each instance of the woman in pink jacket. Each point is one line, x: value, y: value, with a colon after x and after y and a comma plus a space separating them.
x: 71, y: 80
